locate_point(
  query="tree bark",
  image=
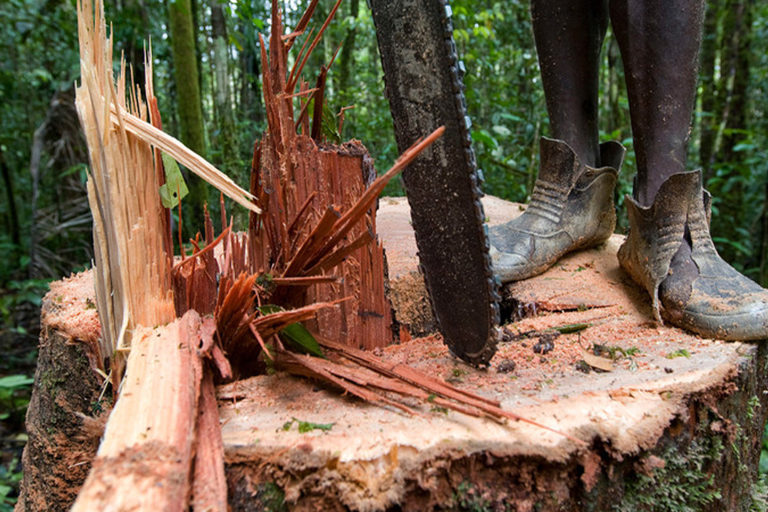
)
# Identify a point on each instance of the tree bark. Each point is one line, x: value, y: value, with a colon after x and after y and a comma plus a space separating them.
x: 227, y: 141
x: 186, y: 79
x: 347, y: 57
x: 13, y: 216
x: 65, y: 399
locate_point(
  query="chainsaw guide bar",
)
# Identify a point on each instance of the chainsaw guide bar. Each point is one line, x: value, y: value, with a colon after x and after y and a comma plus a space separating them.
x: 423, y: 78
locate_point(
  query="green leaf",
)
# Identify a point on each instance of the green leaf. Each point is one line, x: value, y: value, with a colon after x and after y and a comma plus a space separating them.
x: 302, y: 339
x: 233, y: 41
x: 678, y: 353
x: 485, y: 138
x: 175, y: 189
x: 571, y: 328
x: 15, y: 381
x: 307, y: 426
x: 296, y: 334
x: 501, y: 130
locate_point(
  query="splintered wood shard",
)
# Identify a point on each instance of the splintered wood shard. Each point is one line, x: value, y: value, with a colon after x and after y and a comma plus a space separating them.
x: 133, y: 277
x: 305, y: 187
x: 413, y: 383
x: 151, y: 426
x: 209, y: 488
x: 191, y: 160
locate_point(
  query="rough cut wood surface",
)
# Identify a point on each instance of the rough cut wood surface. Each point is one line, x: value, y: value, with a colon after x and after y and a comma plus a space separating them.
x: 334, y: 175
x: 406, y: 289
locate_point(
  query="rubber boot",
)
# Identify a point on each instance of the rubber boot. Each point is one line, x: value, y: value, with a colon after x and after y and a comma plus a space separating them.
x: 670, y: 253
x: 571, y: 208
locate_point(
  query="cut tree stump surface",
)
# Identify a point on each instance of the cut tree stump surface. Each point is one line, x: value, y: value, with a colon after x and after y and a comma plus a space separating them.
x: 678, y: 412
x: 373, y: 458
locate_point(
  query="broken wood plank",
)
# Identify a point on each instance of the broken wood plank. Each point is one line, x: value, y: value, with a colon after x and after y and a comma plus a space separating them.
x: 209, y: 488
x: 145, y: 460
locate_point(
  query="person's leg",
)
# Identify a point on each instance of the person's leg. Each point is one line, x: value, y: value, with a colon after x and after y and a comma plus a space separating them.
x: 669, y: 249
x: 571, y: 204
x: 569, y: 35
x: 659, y: 42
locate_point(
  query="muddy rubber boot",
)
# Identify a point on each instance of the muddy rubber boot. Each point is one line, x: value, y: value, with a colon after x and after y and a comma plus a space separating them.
x: 670, y: 252
x: 571, y: 208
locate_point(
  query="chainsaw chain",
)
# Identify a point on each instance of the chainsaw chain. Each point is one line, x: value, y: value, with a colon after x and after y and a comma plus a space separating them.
x: 476, y: 177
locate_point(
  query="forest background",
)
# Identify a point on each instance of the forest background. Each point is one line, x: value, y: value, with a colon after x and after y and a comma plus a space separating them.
x: 207, y: 79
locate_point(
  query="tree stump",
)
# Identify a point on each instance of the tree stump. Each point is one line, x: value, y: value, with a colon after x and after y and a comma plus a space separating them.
x: 676, y: 422
x: 62, y: 442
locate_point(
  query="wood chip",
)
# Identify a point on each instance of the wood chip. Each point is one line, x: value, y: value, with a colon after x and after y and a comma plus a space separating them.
x: 600, y: 363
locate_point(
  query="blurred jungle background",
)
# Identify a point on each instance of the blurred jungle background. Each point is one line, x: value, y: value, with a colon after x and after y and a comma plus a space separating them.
x: 207, y: 78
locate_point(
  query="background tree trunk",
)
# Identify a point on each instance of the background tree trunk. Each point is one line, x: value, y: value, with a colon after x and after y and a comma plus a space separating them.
x: 13, y: 217
x: 347, y: 57
x: 732, y: 213
x: 226, y: 139
x: 186, y: 78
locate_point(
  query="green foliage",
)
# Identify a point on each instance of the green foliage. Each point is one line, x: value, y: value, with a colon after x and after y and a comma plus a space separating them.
x: 307, y: 426
x: 27, y: 291
x: 614, y: 352
x: 10, y: 479
x: 296, y: 334
x: 14, y: 396
x: 503, y: 92
x: 571, y: 328
x: 678, y: 353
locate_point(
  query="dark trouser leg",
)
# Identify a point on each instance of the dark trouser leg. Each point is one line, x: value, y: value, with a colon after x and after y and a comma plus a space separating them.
x: 659, y: 42
x: 569, y: 35
x: 669, y: 249
x: 571, y: 204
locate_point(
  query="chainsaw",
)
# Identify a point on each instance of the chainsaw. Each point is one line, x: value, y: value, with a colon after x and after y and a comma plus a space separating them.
x: 423, y: 78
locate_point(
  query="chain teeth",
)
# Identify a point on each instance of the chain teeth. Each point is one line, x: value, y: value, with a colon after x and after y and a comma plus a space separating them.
x: 465, y: 124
